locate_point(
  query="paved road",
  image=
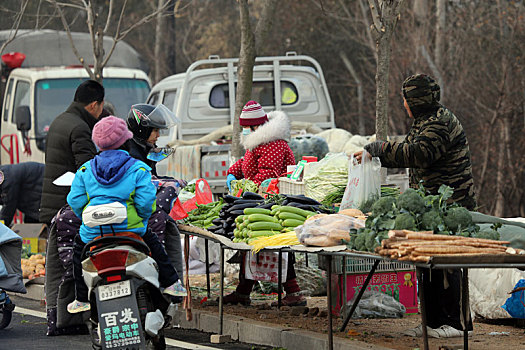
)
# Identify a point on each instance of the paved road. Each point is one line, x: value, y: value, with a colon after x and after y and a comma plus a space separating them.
x: 28, y: 331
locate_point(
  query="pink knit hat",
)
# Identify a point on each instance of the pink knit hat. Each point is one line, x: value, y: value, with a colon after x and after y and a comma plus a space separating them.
x: 110, y: 133
x: 252, y: 114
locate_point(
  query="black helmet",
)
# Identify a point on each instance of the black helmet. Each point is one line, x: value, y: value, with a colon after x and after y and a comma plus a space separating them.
x: 143, y: 118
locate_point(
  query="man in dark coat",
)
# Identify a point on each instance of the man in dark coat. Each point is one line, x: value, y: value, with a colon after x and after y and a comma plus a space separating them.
x: 69, y: 144
x: 437, y: 152
x: 21, y: 188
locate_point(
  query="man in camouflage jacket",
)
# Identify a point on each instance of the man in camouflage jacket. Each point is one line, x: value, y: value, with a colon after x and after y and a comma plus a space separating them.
x: 437, y: 152
x: 436, y: 148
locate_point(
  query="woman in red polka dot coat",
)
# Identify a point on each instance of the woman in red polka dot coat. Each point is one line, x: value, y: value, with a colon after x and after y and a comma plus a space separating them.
x: 265, y: 139
x: 267, y: 155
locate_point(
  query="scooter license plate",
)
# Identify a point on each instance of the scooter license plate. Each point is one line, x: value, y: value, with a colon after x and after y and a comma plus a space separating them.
x: 114, y: 290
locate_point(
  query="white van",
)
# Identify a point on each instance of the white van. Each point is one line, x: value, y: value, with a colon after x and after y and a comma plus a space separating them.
x: 203, y: 98
x: 35, y: 96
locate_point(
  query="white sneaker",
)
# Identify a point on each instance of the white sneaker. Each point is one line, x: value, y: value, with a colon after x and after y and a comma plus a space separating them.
x: 418, y: 332
x: 447, y: 331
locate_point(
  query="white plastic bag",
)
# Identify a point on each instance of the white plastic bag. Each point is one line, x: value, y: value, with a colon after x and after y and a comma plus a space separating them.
x: 364, y: 181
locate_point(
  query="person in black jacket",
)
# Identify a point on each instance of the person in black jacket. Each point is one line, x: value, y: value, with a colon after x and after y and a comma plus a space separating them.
x: 20, y: 188
x: 145, y: 122
x: 69, y: 144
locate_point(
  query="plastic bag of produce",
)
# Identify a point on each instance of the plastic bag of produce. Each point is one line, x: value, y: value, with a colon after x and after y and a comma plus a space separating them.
x: 364, y: 181
x: 374, y: 304
x: 324, y: 230
x: 324, y: 176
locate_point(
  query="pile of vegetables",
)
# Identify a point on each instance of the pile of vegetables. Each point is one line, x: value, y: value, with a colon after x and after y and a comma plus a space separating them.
x: 421, y: 246
x: 204, y: 214
x: 259, y: 222
x: 224, y: 225
x: 34, y: 267
x: 280, y: 239
x: 417, y: 211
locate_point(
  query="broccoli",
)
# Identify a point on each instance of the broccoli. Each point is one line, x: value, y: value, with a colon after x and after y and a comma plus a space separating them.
x: 488, y: 233
x: 405, y: 221
x: 411, y: 201
x: 383, y: 205
x: 457, y: 218
x: 359, y: 242
x: 370, y: 240
x: 432, y: 221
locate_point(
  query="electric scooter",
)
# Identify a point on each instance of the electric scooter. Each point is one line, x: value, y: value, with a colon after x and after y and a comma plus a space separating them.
x: 128, y: 310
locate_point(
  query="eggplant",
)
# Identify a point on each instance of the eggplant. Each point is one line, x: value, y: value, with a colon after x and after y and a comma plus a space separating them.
x: 217, y: 221
x: 229, y: 198
x: 237, y: 212
x: 248, y: 201
x: 241, y: 207
x: 251, y: 195
x: 265, y: 206
x: 302, y: 199
x: 220, y: 232
x: 229, y: 220
x: 214, y: 228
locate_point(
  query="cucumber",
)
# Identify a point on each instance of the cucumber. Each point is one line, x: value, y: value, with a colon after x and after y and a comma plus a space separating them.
x: 250, y: 211
x: 292, y: 223
x: 275, y: 206
x: 287, y: 215
x: 261, y: 217
x: 253, y: 234
x: 264, y: 226
x: 297, y: 211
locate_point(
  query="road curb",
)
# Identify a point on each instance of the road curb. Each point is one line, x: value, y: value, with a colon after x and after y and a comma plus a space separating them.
x: 261, y: 333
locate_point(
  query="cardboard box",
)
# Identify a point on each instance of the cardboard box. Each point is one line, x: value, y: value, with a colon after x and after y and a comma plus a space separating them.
x: 34, y: 236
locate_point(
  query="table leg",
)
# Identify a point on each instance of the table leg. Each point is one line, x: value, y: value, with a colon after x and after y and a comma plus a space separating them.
x: 359, y: 295
x: 279, y: 279
x: 329, y: 301
x: 419, y: 273
x: 465, y: 306
x: 306, y: 258
x: 221, y: 288
x: 206, y: 252
x: 344, y: 285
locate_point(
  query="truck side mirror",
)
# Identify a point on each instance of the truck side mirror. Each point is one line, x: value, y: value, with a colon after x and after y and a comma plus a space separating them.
x: 23, y: 118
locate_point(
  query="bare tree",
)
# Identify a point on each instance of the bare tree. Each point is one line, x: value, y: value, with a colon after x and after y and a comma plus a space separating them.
x: 15, y: 26
x: 385, y: 14
x: 98, y: 29
x: 251, y: 42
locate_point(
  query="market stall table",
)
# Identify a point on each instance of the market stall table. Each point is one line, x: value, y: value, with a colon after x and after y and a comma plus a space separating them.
x: 437, y: 262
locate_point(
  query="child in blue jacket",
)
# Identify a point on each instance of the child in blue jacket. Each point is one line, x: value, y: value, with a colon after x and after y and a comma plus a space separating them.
x: 115, y: 176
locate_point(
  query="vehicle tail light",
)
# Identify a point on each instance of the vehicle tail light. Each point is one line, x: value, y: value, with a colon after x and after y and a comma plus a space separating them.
x: 110, y: 261
x: 135, y: 257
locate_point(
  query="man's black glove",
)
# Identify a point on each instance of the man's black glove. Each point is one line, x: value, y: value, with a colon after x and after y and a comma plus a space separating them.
x: 375, y: 148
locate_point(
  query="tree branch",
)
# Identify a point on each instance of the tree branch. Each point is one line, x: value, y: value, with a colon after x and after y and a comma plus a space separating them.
x: 73, y: 47
x: 376, y: 19
x: 108, y: 20
x: 16, y: 25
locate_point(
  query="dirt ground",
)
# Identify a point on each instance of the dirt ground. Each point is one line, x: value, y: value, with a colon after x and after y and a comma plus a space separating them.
x: 504, y: 335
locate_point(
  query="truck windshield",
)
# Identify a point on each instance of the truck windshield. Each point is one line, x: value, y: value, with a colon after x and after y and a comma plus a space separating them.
x: 53, y: 96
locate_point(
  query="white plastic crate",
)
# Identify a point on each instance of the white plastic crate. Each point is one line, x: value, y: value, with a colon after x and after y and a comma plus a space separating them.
x: 289, y: 186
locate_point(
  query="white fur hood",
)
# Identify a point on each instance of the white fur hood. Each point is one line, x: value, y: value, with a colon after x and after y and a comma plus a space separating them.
x: 277, y: 128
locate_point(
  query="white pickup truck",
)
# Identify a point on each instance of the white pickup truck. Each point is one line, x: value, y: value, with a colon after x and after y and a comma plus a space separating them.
x: 44, y: 84
x: 203, y: 98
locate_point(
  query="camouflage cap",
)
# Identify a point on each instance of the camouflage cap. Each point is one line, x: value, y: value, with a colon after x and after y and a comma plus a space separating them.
x: 421, y: 92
